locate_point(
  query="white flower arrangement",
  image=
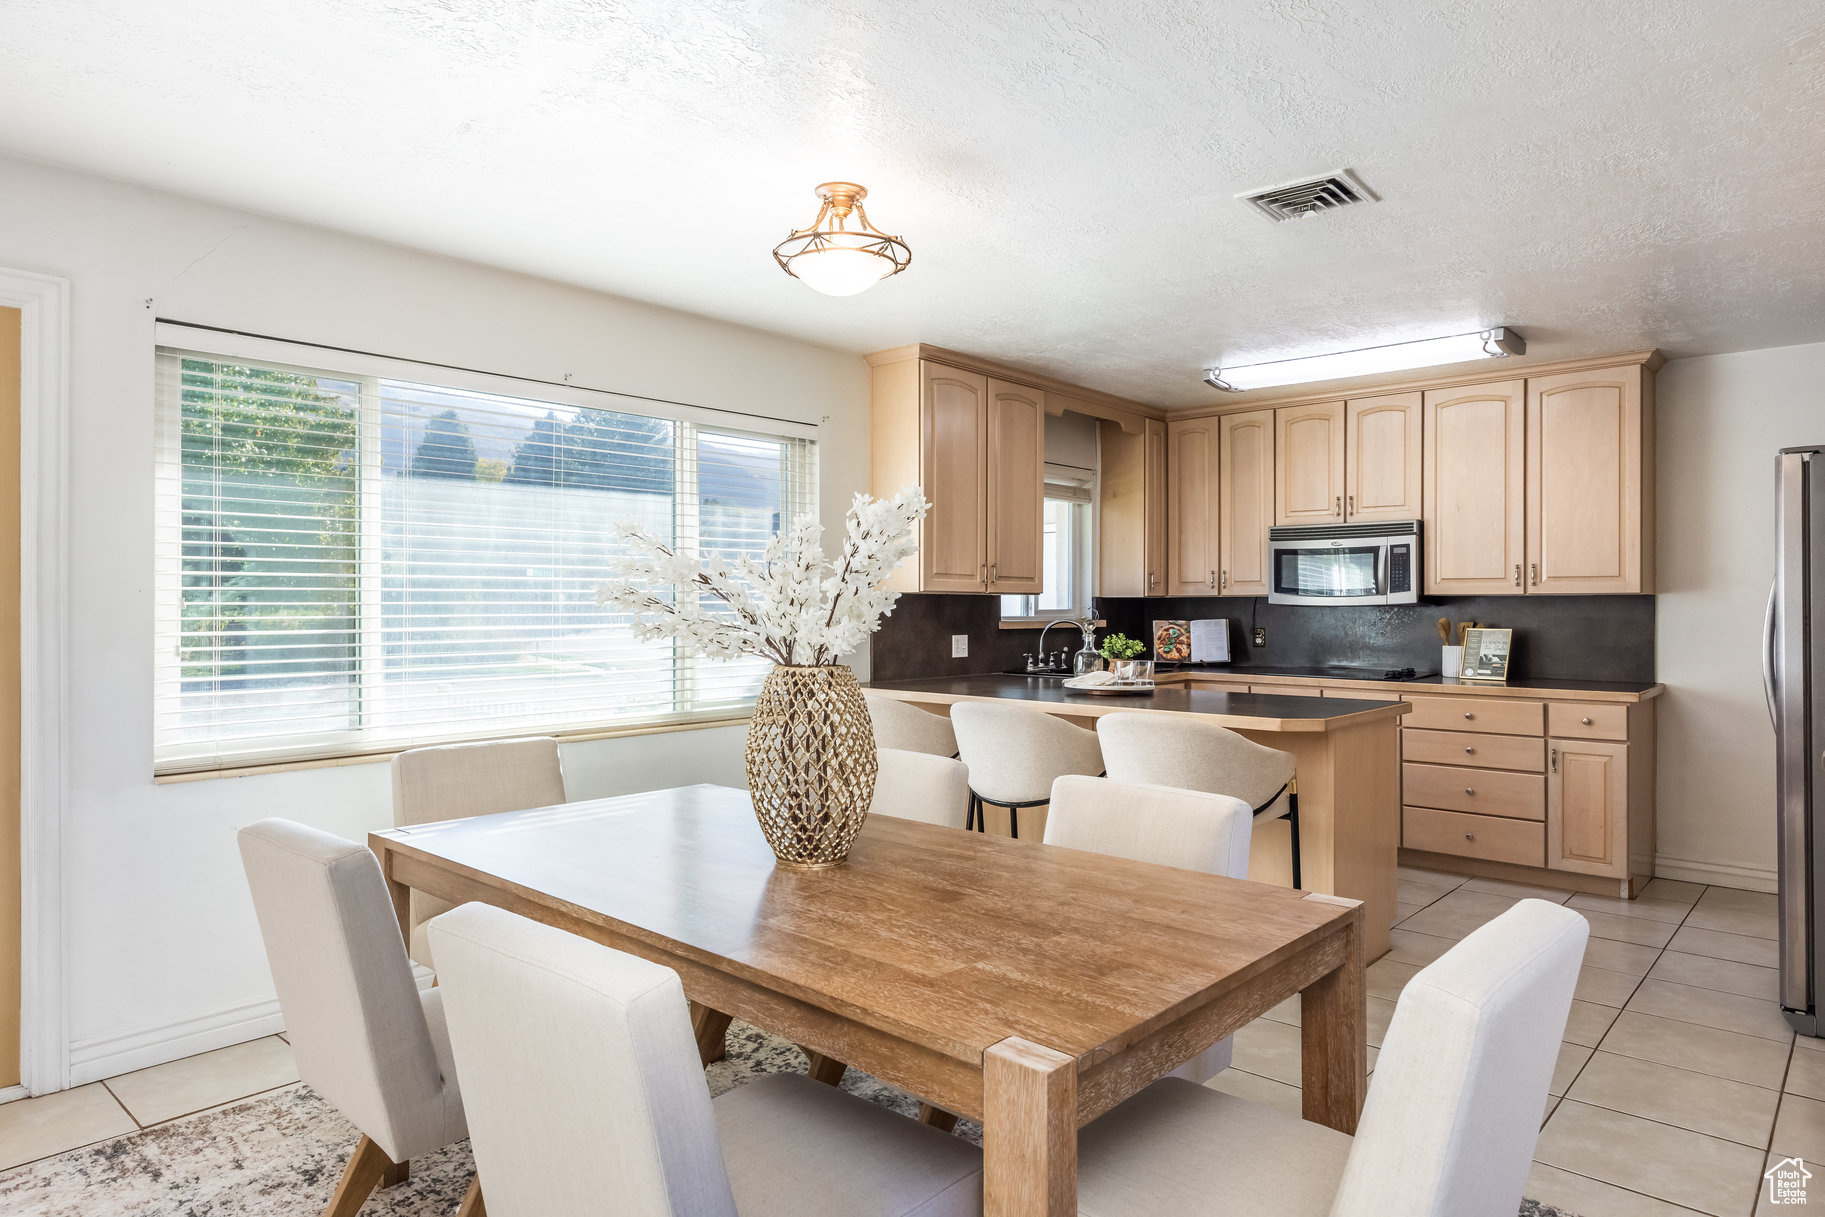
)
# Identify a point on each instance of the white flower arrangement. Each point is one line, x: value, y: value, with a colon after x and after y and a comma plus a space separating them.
x: 789, y: 605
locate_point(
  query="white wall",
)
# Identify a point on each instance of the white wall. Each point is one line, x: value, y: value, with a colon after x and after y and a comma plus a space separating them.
x: 1722, y: 418
x: 162, y: 953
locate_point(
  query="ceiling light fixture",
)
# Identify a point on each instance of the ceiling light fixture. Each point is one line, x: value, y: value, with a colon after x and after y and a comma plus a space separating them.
x: 1398, y: 357
x: 835, y: 258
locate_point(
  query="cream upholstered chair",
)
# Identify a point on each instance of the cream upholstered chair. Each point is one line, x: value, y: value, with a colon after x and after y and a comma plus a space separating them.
x: 1015, y: 753
x: 1182, y: 750
x: 586, y: 1097
x: 364, y: 1037
x: 1449, y: 1128
x: 920, y: 786
x: 1191, y: 829
x: 456, y: 781
x: 902, y: 725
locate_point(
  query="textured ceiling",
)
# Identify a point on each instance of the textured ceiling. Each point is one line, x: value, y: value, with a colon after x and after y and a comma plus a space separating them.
x: 1602, y: 177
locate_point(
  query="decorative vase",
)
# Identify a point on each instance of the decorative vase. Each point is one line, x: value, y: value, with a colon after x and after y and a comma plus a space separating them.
x: 811, y: 762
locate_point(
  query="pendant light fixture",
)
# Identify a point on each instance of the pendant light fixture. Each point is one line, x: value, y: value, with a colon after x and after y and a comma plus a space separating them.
x: 1427, y: 352
x: 841, y: 254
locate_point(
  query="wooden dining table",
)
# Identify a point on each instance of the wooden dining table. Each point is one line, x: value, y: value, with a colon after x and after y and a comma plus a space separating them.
x: 1027, y: 986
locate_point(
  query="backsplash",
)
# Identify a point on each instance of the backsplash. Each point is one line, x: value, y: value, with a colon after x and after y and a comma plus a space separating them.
x: 1556, y: 637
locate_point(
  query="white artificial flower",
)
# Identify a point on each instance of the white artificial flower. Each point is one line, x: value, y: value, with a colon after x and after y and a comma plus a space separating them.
x: 790, y: 605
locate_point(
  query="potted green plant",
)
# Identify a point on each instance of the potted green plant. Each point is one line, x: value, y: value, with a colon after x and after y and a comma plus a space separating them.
x: 1124, y: 656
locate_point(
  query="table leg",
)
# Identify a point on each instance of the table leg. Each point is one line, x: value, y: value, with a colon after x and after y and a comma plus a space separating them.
x: 401, y: 894
x: 1029, y: 1131
x: 937, y: 1117
x: 710, y: 1027
x: 1333, y: 1033
x: 825, y: 1069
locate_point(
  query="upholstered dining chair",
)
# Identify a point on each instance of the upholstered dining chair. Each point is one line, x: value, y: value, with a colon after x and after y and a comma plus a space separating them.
x: 456, y: 781
x: 902, y: 725
x: 1015, y: 753
x: 920, y: 786
x: 1452, y: 1115
x: 1181, y: 750
x: 364, y: 1037
x: 1191, y: 829
x: 585, y: 1097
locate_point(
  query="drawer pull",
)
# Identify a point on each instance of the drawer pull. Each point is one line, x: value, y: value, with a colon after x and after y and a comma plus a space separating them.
x: 1585, y: 721
x: 1555, y: 756
x: 1468, y: 715
x: 1470, y: 790
x: 1470, y: 752
x: 1469, y: 836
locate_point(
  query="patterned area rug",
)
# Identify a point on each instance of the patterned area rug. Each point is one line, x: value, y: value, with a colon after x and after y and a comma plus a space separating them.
x: 279, y: 1155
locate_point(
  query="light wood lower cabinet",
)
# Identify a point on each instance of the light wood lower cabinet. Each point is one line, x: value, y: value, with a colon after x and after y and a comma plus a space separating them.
x: 1587, y: 796
x: 1490, y: 838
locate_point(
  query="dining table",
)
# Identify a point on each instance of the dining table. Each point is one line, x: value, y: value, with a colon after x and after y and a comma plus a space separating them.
x: 1026, y: 986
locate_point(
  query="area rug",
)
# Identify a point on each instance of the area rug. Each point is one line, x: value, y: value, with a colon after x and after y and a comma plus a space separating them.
x: 280, y: 1154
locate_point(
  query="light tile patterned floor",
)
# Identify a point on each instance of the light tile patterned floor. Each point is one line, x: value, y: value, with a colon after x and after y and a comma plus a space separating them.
x: 1677, y: 1085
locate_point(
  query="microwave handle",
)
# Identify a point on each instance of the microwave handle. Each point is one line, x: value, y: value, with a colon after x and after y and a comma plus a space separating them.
x: 1384, y: 569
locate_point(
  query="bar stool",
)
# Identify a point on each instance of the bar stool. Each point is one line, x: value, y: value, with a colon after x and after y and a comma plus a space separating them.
x: 1181, y: 750
x: 902, y: 725
x: 919, y: 786
x: 1015, y: 753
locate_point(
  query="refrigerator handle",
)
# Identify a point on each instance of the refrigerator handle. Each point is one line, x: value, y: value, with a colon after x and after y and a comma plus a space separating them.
x: 1774, y: 588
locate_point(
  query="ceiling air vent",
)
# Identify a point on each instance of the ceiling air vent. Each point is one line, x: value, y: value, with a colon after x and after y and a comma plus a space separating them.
x: 1304, y: 199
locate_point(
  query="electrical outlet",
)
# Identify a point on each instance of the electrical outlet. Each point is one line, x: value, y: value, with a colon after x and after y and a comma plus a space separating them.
x: 960, y: 646
x: 1260, y: 635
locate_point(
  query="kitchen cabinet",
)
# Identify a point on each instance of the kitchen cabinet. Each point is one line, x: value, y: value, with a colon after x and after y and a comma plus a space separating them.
x: 1131, y: 511
x: 1474, y: 515
x: 1193, y: 536
x: 1308, y: 463
x: 1382, y: 457
x: 1590, y: 489
x: 1016, y: 489
x: 1587, y: 784
x: 1245, y: 502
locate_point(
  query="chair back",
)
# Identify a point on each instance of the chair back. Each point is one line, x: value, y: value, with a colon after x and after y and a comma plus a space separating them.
x: 1015, y: 752
x: 1461, y: 1084
x: 1185, y: 751
x: 1184, y: 828
x: 580, y: 1072
x: 352, y: 1010
x: 902, y: 725
x: 920, y: 786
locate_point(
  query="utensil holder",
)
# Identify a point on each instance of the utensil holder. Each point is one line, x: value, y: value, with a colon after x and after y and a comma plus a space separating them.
x: 1451, y: 662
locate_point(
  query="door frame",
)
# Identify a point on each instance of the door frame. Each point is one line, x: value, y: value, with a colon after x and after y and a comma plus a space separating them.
x: 44, y: 304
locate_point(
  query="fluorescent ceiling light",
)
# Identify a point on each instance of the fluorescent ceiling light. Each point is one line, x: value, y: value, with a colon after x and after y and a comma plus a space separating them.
x: 1425, y: 353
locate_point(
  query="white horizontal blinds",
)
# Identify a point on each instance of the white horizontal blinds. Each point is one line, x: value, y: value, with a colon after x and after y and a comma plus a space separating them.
x: 460, y: 536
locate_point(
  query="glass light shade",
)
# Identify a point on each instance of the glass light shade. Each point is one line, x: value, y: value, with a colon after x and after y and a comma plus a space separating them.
x: 841, y: 272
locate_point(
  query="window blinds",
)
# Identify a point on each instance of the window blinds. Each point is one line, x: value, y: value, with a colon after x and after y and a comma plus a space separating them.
x: 354, y: 561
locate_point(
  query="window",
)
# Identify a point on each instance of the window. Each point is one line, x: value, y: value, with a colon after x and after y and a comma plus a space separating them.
x: 351, y: 561
x: 1068, y: 556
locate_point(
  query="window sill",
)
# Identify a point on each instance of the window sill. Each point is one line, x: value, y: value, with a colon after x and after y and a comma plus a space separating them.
x: 1040, y: 623
x: 374, y: 758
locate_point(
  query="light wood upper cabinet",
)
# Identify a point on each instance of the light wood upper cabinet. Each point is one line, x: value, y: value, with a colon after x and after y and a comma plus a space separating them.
x: 1475, y: 461
x: 1308, y: 445
x: 1016, y: 489
x: 1192, y: 527
x: 1245, y: 498
x: 1382, y: 453
x: 1590, y: 491
x: 1587, y: 806
x: 1131, y: 511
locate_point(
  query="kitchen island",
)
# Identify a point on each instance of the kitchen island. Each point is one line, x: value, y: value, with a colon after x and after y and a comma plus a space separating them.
x: 1348, y: 756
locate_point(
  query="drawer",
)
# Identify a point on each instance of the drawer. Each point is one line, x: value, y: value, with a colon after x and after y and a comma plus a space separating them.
x: 1521, y: 842
x: 1501, y: 715
x: 1479, y: 751
x: 1363, y: 694
x: 1490, y: 792
x: 1287, y: 690
x: 1586, y: 720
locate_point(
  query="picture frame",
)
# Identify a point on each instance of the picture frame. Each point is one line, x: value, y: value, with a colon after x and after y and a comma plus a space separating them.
x: 1486, y: 654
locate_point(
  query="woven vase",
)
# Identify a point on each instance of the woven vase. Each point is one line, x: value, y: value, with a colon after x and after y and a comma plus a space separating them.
x: 811, y: 763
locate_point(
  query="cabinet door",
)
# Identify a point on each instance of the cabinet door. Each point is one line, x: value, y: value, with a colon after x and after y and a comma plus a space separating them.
x: 1127, y: 494
x: 1382, y: 457
x: 1245, y: 501
x: 1308, y: 462
x: 1016, y: 489
x: 1156, y: 507
x: 1584, y: 482
x: 1475, y: 444
x: 1587, y: 807
x: 953, y: 469
x: 1191, y: 521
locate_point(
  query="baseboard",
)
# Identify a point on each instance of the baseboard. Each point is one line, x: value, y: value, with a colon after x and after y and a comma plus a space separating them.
x: 9, y: 1093
x: 107, y: 1056
x: 1722, y: 874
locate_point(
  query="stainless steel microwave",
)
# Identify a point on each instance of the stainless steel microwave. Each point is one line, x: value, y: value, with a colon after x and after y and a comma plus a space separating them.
x: 1344, y: 563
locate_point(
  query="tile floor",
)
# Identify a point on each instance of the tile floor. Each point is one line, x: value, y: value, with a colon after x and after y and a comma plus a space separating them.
x: 1677, y: 1085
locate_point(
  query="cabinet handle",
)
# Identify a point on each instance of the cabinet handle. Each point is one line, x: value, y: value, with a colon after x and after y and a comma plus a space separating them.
x: 1352, y: 504
x: 1555, y: 753
x: 1585, y: 721
x: 1468, y: 715
x: 1152, y: 579
x: 1339, y: 510
x: 1213, y: 579
x: 1469, y: 836
x: 1470, y: 752
x: 1535, y: 568
x: 1517, y: 574
x: 994, y: 575
x: 1470, y: 790
x: 1223, y: 581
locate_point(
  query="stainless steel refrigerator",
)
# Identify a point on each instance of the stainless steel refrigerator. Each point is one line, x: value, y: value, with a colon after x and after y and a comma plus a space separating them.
x: 1793, y: 673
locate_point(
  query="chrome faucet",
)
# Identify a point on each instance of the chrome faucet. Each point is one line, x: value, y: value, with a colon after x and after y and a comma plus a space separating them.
x: 1042, y: 636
